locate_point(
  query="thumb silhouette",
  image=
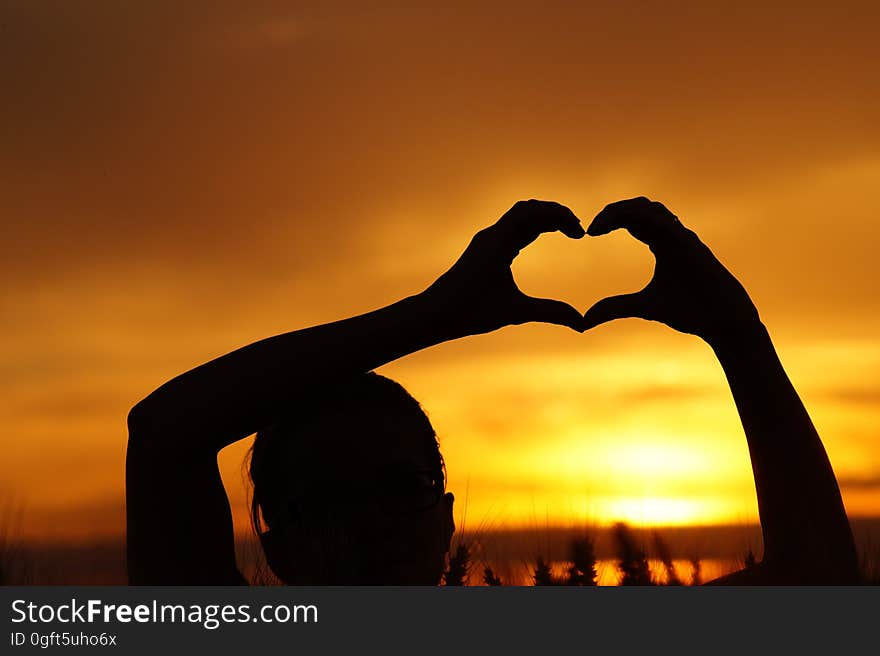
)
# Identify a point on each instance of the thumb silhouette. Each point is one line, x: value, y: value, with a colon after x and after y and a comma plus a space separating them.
x: 548, y: 310
x: 617, y: 307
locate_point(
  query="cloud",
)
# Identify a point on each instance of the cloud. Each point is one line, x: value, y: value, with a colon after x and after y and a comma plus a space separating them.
x: 869, y: 483
x: 277, y: 32
x: 858, y: 396
x: 665, y: 393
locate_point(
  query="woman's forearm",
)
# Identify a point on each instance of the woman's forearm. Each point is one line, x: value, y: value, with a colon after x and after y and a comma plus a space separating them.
x: 805, y: 527
x: 232, y: 396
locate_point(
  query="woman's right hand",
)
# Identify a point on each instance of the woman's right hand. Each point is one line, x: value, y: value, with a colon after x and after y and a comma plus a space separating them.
x: 478, y: 294
x: 691, y: 291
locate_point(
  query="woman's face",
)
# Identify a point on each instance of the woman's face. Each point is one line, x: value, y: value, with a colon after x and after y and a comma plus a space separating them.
x: 375, y: 503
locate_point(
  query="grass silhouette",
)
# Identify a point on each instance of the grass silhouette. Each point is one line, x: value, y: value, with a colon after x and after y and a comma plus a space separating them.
x: 571, y: 557
x: 15, y: 566
x: 632, y: 559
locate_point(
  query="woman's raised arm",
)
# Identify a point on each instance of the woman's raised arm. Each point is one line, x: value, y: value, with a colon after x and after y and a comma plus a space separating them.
x: 179, y: 522
x: 807, y: 537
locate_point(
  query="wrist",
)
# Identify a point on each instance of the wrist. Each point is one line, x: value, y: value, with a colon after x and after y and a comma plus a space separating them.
x: 736, y: 339
x: 432, y: 320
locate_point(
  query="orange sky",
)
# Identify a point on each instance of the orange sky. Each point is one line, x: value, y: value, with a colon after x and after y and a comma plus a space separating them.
x: 176, y: 182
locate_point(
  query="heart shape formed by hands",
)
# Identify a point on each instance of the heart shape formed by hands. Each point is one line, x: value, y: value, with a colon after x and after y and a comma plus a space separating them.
x: 690, y: 290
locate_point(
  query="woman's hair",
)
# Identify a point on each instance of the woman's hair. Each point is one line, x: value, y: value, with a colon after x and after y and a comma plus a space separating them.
x: 282, y: 459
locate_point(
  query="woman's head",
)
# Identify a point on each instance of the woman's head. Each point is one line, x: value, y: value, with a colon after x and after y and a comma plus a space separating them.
x: 349, y: 484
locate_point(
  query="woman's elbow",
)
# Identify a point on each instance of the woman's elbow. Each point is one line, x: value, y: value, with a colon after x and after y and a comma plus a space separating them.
x: 144, y: 423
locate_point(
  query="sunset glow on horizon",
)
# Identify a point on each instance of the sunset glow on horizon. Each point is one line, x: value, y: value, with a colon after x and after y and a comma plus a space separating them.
x: 176, y: 185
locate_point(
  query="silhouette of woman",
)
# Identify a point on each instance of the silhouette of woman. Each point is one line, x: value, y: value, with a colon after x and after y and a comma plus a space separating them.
x: 349, y: 484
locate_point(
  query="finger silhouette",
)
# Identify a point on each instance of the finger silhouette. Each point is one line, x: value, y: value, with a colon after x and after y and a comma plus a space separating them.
x: 548, y: 310
x: 623, y: 306
x: 648, y: 221
x: 526, y: 220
